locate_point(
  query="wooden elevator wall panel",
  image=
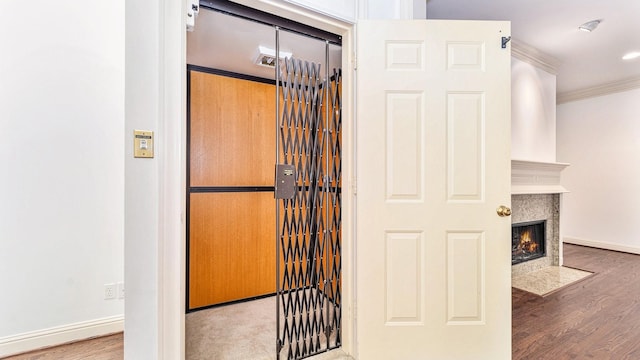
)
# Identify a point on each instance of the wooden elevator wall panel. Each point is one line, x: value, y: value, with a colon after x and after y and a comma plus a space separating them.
x: 232, y: 131
x: 231, y: 235
x: 232, y: 247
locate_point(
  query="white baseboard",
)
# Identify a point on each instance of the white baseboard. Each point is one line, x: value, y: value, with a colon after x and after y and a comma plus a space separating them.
x: 33, y: 340
x: 602, y: 245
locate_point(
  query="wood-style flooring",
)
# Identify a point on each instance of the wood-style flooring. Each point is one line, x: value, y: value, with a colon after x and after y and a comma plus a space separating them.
x: 102, y: 348
x: 596, y: 318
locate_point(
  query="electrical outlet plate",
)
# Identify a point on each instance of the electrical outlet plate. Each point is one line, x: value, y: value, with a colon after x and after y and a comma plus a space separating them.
x: 109, y: 291
x: 120, y: 289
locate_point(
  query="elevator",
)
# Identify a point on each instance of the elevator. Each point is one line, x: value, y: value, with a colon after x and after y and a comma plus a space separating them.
x: 256, y: 119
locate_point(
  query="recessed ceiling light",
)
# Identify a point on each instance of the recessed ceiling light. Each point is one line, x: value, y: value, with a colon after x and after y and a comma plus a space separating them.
x: 631, y: 55
x: 589, y: 26
x: 267, y: 56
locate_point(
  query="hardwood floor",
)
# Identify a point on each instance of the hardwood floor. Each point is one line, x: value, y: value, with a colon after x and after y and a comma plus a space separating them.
x: 597, y: 318
x: 103, y: 348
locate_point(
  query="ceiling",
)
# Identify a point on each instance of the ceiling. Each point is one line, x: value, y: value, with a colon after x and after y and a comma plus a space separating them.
x: 230, y: 43
x: 584, y: 59
x: 581, y: 60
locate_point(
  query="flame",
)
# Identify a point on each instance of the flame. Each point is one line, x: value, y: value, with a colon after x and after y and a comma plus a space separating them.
x: 526, y: 245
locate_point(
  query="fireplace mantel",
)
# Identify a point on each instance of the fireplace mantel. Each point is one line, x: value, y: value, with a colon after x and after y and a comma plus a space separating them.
x: 534, y: 177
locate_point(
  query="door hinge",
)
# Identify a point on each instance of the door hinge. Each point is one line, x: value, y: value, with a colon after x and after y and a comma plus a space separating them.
x: 505, y: 40
x: 193, y: 7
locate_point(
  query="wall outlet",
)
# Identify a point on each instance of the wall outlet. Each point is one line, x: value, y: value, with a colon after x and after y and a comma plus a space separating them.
x: 120, y: 289
x: 109, y: 291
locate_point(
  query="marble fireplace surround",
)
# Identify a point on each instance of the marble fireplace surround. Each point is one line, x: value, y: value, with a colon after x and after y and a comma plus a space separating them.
x: 536, y: 195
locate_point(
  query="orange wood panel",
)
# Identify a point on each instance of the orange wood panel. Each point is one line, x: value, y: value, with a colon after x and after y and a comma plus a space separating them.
x: 231, y: 247
x: 232, y: 131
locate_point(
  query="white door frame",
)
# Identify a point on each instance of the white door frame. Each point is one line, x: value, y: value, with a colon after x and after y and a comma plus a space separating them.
x: 172, y: 168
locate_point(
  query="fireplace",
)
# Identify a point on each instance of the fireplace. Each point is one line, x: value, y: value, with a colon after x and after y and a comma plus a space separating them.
x: 536, y: 195
x: 528, y: 241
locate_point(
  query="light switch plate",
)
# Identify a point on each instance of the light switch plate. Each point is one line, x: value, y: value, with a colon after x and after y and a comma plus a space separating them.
x: 142, y: 143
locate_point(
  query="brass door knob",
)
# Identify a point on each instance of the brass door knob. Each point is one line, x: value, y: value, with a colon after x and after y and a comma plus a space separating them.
x: 503, y: 211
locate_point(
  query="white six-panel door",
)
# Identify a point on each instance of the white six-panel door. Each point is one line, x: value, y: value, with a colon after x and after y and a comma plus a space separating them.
x: 433, y: 164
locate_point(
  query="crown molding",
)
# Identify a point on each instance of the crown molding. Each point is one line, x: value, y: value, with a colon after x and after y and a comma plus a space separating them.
x: 599, y: 90
x: 533, y: 56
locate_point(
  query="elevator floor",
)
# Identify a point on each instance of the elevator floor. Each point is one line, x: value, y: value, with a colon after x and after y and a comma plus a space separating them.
x: 244, y: 331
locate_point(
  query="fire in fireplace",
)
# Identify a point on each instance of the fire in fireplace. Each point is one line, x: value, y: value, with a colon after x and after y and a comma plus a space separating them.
x: 527, y: 241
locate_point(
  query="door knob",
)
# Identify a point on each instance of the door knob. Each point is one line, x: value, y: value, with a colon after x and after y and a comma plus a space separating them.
x: 503, y: 211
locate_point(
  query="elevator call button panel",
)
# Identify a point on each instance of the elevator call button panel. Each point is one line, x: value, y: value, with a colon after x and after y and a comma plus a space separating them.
x: 285, y: 181
x: 142, y: 144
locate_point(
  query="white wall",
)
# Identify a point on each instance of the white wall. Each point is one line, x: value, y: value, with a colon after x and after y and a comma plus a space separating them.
x: 533, y: 113
x: 392, y: 9
x: 142, y: 182
x: 366, y: 9
x: 155, y: 92
x: 341, y: 9
x: 62, y: 156
x: 600, y: 137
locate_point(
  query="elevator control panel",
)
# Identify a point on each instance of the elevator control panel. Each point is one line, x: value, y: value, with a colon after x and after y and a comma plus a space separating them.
x: 142, y: 143
x: 285, y: 181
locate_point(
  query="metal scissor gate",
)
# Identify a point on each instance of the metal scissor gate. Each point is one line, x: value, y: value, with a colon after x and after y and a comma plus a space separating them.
x: 308, y: 188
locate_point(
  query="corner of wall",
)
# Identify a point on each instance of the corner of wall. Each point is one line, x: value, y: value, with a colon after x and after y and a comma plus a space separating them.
x: 533, y: 112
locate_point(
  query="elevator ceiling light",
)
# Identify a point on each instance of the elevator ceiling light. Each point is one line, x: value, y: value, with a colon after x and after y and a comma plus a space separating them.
x: 631, y: 55
x: 267, y: 57
x: 590, y: 25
